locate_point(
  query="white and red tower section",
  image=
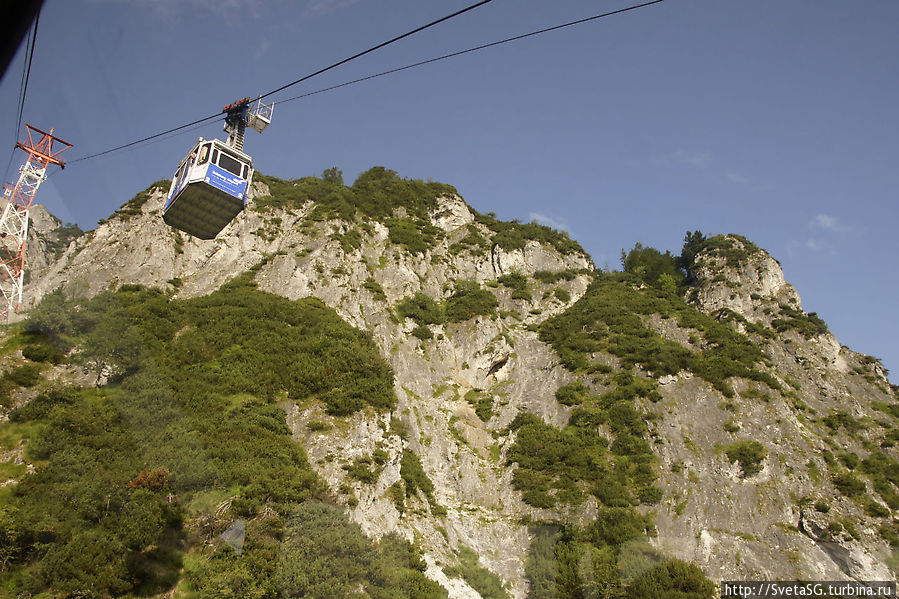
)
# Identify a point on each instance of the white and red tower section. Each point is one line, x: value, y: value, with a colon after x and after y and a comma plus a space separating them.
x: 14, y: 222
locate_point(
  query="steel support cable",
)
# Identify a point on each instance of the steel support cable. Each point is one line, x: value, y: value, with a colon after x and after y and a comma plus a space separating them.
x: 23, y: 87
x: 383, y: 73
x: 468, y: 50
x: 33, y: 39
x: 300, y: 80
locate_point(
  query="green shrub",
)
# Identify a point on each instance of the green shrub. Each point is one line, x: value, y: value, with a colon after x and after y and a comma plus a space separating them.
x: 649, y: 265
x: 416, y: 236
x: 559, y: 465
x: 731, y: 426
x: 514, y: 235
x: 415, y: 478
x: 572, y: 394
x: 749, y: 454
x: 518, y: 283
x: 850, y: 460
x: 365, y: 470
x: 735, y: 249
x: 481, y: 402
x: 808, y: 325
x: 134, y: 206
x: 672, y: 578
x: 349, y: 241
x: 610, y: 317
x: 27, y: 375
x: 874, y: 509
x: 849, y: 484
x: 470, y: 300
x: 474, y: 242
x: 889, y: 531
x: 421, y: 309
x: 610, y: 558
x: 40, y: 406
x: 197, y: 402
x: 840, y: 419
x: 375, y: 289
x: 486, y: 583
x: 397, y: 494
x: 422, y: 332
x: 43, y: 352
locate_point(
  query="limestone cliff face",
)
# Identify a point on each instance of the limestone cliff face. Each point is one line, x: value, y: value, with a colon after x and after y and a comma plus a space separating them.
x: 733, y: 526
x: 766, y: 524
x: 458, y: 451
x: 47, y: 239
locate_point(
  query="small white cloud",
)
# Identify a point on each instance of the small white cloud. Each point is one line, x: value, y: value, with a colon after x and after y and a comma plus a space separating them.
x: 549, y: 221
x: 736, y: 178
x: 815, y: 245
x: 812, y: 245
x: 829, y: 223
x: 326, y: 7
x: 262, y: 49
x: 697, y: 159
x: 230, y: 10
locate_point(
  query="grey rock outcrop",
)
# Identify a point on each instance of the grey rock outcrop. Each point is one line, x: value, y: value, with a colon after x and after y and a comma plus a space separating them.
x: 734, y: 527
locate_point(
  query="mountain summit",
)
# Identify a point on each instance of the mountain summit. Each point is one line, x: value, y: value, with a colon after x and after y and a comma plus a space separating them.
x: 377, y: 391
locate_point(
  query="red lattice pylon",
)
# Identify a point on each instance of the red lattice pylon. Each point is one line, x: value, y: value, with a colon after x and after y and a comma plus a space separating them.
x: 14, y: 222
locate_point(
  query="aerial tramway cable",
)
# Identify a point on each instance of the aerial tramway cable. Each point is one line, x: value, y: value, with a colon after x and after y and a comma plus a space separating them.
x: 200, y: 122
x: 23, y: 86
x: 300, y: 80
x: 468, y: 51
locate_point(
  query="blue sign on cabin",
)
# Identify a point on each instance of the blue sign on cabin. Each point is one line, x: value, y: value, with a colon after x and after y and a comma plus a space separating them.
x: 227, y: 182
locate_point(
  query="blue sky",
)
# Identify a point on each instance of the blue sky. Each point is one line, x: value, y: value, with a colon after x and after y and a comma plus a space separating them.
x: 775, y: 119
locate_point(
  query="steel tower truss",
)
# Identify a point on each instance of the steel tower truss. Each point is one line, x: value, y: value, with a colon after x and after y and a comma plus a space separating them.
x: 14, y: 222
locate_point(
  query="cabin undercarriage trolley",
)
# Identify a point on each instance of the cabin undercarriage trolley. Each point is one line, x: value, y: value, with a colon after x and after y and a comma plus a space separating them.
x: 212, y: 183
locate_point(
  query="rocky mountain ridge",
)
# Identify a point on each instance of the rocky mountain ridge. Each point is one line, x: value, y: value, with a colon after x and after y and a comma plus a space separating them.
x: 754, y: 470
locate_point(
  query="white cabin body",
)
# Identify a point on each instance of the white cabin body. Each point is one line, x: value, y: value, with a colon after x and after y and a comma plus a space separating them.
x: 209, y: 189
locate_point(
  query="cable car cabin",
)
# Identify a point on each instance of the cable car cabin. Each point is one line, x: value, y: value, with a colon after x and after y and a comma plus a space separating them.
x: 209, y: 189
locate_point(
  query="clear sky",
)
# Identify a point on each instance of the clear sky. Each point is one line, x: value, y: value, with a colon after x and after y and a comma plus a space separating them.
x: 775, y: 119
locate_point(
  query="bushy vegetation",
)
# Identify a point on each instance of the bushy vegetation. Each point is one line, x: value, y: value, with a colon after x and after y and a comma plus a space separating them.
x: 566, y: 465
x: 186, y: 440
x: 316, y: 552
x: 554, y: 276
x: 349, y: 240
x: 572, y: 394
x: 514, y: 235
x: 482, y: 402
x: 808, y: 325
x: 134, y: 206
x: 473, y: 242
x: 375, y: 289
x: 469, y: 300
x: 417, y: 236
x: 610, y: 318
x: 58, y: 241
x: 415, y: 479
x: 749, y: 454
x: 421, y: 309
x: 518, y: 283
x: 652, y: 266
x: 883, y: 471
x: 849, y: 484
x: 403, y: 205
x: 608, y: 558
x: 375, y: 195
x: 735, y: 249
x: 482, y: 580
